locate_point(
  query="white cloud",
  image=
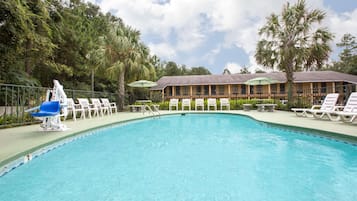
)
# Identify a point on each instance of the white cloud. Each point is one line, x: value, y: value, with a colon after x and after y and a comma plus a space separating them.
x: 163, y: 49
x: 233, y: 67
x: 211, y: 55
x: 343, y: 23
x: 184, y: 26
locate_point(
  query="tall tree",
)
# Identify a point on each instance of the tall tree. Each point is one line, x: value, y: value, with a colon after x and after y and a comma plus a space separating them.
x: 200, y: 71
x: 244, y: 70
x: 172, y: 69
x: 348, y: 56
x: 292, y: 42
x: 25, y: 36
x: 125, y: 54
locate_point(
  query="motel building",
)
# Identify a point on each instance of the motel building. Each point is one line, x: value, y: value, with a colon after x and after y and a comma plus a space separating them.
x: 313, y: 86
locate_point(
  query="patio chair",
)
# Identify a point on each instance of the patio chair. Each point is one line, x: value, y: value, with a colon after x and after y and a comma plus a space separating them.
x: 111, y: 105
x: 211, y: 102
x: 224, y: 102
x: 186, y: 102
x: 89, y: 108
x: 74, y: 108
x: 173, y: 103
x: 348, y: 112
x: 102, y: 108
x: 199, y: 102
x: 319, y: 111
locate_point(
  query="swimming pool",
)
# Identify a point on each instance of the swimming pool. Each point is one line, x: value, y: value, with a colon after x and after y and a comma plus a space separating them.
x: 190, y: 157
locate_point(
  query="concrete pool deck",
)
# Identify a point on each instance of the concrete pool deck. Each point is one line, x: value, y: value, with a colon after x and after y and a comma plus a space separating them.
x: 17, y: 142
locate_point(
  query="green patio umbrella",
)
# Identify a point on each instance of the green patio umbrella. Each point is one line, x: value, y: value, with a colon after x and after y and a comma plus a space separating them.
x: 260, y: 81
x: 142, y: 84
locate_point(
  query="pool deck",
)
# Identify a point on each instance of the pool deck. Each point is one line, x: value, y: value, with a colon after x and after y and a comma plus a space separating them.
x: 19, y: 141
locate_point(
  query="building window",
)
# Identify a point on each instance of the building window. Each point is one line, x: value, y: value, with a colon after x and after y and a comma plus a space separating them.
x: 338, y: 87
x: 282, y: 88
x: 185, y: 90
x: 273, y: 88
x: 234, y: 89
x: 243, y: 89
x: 299, y: 89
x: 213, y: 89
x: 315, y: 87
x: 251, y: 89
x: 221, y: 89
x: 178, y: 91
x: 169, y: 91
x: 198, y: 90
x: 206, y: 90
x: 323, y: 87
x: 259, y: 89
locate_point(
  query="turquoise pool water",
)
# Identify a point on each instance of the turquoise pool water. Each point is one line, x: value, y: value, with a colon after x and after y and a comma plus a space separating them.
x: 192, y: 157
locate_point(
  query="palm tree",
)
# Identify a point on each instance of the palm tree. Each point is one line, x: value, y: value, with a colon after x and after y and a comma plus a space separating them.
x: 127, y: 57
x: 95, y: 60
x: 291, y: 42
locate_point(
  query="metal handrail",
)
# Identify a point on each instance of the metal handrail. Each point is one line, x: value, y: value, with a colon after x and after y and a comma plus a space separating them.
x: 15, y: 99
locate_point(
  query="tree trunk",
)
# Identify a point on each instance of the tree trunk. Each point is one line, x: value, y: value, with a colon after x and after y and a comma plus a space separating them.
x: 121, y: 90
x: 290, y: 81
x: 92, y: 82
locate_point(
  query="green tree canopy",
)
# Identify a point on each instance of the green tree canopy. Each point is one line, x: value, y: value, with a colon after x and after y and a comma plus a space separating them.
x: 348, y: 56
x: 292, y: 41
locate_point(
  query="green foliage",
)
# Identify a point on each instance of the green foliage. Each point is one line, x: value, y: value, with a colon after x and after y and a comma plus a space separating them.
x: 172, y: 69
x: 235, y: 104
x: 290, y: 44
x: 348, y: 56
x: 77, y: 44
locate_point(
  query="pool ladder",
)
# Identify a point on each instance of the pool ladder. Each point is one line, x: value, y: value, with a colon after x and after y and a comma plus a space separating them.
x: 147, y: 108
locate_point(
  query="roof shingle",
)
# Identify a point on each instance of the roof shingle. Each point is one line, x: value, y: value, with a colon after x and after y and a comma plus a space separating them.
x: 299, y: 77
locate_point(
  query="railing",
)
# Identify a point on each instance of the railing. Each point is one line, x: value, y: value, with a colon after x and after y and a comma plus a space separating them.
x: 304, y: 97
x: 15, y: 99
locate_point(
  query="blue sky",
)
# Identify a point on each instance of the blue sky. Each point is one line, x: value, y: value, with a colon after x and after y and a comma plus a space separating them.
x: 217, y: 34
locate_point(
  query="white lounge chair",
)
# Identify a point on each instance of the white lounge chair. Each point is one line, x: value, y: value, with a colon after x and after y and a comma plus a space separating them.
x: 89, y: 108
x: 199, y: 102
x: 74, y: 108
x: 173, y: 103
x: 349, y: 112
x: 102, y: 108
x: 319, y: 111
x: 111, y: 105
x: 186, y: 102
x: 211, y: 102
x: 224, y: 102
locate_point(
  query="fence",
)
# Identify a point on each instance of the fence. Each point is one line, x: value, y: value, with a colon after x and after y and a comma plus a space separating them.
x: 304, y: 94
x: 15, y: 99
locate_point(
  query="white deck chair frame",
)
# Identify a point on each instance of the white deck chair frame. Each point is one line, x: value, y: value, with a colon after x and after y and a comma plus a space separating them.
x: 224, y: 102
x: 111, y: 105
x: 186, y: 102
x: 101, y: 108
x: 349, y: 111
x: 89, y: 108
x: 173, y: 103
x: 211, y: 102
x: 199, y: 102
x: 74, y: 108
x: 319, y: 111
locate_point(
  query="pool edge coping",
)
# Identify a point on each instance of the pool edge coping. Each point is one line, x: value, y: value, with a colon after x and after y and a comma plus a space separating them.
x: 20, y: 156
